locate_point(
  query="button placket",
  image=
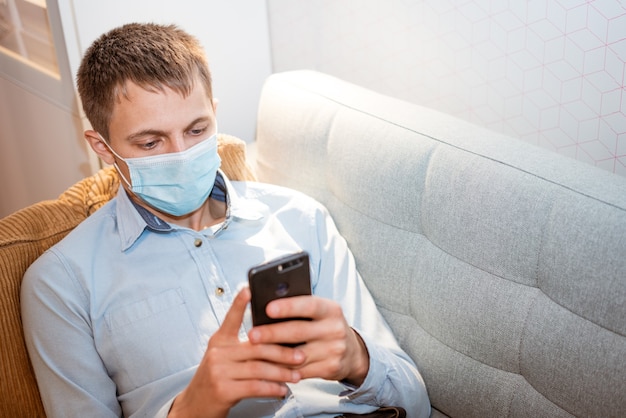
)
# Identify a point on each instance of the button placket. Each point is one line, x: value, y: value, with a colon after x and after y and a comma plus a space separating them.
x: 217, y: 290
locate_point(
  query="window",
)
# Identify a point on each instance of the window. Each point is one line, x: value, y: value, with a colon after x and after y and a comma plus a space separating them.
x: 25, y: 33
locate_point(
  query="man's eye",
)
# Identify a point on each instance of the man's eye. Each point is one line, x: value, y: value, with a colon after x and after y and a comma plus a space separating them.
x: 149, y: 145
x: 197, y: 131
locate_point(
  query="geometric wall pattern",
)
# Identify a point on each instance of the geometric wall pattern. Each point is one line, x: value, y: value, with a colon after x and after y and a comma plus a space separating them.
x: 550, y: 72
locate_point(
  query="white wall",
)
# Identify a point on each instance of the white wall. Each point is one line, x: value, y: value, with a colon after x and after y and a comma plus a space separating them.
x: 42, y: 151
x: 551, y: 73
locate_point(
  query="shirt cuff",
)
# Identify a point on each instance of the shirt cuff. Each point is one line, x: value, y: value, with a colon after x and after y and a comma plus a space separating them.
x: 165, y: 409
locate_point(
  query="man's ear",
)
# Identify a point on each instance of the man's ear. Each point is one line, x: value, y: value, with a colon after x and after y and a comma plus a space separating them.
x: 97, y: 144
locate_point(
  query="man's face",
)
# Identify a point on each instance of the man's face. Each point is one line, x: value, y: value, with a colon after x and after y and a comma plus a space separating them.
x: 153, y: 122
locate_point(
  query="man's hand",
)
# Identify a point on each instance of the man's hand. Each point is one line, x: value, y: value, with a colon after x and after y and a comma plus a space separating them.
x: 232, y: 370
x: 333, y: 350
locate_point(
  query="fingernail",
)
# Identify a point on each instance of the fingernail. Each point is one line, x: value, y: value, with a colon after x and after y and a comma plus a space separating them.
x: 285, y: 390
x: 272, y: 310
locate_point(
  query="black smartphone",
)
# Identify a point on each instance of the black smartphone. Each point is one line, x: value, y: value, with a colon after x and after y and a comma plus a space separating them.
x: 280, y: 278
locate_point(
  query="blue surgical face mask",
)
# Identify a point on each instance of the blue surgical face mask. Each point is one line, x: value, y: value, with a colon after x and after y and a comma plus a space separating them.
x: 175, y: 183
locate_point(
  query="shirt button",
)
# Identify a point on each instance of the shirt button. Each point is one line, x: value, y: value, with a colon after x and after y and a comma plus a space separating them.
x: 219, y: 291
x: 197, y: 242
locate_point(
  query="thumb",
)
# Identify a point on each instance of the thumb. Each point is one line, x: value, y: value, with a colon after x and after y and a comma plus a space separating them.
x: 229, y: 330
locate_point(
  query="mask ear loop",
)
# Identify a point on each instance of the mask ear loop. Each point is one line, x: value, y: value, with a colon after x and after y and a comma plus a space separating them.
x: 117, y: 168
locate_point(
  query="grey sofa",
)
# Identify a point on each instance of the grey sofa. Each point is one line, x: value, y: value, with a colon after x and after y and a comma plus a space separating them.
x: 500, y: 266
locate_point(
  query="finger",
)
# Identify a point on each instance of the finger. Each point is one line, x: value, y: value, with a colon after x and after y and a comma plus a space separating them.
x: 303, y: 307
x: 229, y: 329
x: 330, y: 327
x: 272, y: 353
x: 292, y: 332
x: 258, y: 389
x: 338, y: 359
x: 222, y: 363
x: 324, y: 360
x: 288, y: 332
x: 263, y: 370
x: 219, y: 385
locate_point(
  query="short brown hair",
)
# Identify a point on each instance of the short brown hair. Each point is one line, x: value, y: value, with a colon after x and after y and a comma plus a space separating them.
x: 149, y: 55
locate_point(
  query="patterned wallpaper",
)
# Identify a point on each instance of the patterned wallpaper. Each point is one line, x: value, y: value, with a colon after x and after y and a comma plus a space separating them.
x: 550, y: 72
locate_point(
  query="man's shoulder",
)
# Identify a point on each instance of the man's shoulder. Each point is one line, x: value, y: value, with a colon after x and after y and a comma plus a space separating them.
x: 92, y: 229
x: 267, y: 191
x: 84, y: 241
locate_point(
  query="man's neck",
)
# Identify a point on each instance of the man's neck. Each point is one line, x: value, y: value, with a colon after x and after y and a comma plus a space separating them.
x: 212, y: 212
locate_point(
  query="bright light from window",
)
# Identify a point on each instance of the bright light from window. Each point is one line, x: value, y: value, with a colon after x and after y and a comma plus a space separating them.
x: 25, y: 31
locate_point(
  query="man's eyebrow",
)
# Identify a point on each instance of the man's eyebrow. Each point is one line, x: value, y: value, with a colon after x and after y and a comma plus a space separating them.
x: 146, y: 132
x: 198, y: 120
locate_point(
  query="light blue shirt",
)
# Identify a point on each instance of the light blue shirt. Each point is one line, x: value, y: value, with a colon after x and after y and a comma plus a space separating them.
x: 117, y: 315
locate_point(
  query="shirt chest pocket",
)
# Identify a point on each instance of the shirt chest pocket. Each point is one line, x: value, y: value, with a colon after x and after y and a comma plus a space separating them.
x: 151, y: 339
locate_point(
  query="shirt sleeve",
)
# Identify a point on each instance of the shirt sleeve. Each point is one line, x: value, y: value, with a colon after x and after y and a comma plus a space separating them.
x: 393, y: 378
x: 72, y: 379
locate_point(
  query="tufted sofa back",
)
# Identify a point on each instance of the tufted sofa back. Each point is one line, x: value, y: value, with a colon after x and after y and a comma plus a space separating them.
x: 500, y: 266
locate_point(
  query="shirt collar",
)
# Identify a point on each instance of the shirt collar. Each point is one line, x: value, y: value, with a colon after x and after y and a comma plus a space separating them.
x: 133, y: 219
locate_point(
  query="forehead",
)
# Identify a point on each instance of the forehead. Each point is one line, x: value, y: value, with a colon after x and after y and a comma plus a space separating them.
x: 149, y: 109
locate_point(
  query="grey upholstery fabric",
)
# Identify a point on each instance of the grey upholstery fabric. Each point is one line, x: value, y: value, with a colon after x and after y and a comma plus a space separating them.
x: 500, y: 266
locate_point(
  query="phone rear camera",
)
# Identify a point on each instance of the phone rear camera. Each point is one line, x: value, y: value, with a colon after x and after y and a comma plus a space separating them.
x: 282, y: 289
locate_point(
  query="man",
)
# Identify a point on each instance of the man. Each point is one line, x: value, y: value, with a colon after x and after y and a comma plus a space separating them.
x: 141, y: 310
